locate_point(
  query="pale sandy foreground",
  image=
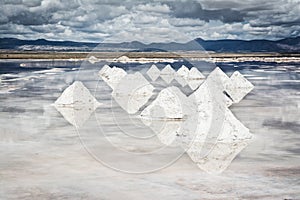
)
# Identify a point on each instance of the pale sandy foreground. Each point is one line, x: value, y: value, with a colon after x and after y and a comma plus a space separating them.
x: 41, y: 156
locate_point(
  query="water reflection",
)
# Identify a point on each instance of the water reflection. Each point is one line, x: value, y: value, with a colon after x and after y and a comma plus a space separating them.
x: 30, y: 125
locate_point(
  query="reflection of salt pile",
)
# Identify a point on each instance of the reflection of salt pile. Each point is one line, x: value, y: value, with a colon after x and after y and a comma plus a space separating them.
x: 93, y: 59
x: 165, y: 114
x: 131, y: 91
x: 76, y: 104
x: 193, y: 78
x: 218, y: 136
x: 123, y: 59
x: 200, y: 123
x: 112, y: 76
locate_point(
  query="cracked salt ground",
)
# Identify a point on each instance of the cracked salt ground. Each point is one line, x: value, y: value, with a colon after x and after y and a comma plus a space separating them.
x: 43, y: 158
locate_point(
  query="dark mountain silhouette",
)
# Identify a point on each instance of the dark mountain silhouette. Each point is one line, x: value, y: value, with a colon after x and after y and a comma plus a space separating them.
x: 288, y: 45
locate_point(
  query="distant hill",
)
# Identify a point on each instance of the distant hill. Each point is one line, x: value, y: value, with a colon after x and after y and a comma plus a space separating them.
x: 288, y: 45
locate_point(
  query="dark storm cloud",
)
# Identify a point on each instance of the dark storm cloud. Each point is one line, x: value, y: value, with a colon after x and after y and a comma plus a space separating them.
x: 33, y: 12
x: 286, y: 24
x: 31, y: 18
x: 12, y: 2
x: 193, y: 9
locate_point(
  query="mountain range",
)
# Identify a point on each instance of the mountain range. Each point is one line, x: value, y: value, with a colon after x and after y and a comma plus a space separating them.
x: 288, y: 45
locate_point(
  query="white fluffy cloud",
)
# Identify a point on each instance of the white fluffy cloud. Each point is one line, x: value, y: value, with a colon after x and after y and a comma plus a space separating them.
x: 149, y: 21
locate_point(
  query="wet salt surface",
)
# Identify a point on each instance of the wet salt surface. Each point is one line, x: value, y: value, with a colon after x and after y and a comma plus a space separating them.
x: 42, y: 157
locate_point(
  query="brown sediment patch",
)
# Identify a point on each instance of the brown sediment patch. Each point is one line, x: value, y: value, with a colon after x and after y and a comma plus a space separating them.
x: 111, y: 55
x: 283, y: 171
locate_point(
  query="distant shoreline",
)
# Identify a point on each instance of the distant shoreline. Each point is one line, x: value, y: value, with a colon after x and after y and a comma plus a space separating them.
x: 110, y: 55
x: 135, y: 56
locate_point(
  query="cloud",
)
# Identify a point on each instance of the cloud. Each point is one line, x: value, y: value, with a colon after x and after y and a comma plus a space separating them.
x: 149, y: 20
x: 193, y: 9
x: 186, y: 22
x: 160, y: 8
x: 31, y: 3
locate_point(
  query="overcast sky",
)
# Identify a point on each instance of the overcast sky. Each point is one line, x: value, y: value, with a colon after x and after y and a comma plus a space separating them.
x: 149, y: 20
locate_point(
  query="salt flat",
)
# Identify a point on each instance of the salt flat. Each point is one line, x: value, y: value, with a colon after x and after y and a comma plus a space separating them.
x: 42, y: 156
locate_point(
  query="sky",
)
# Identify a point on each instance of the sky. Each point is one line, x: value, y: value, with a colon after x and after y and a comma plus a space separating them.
x: 149, y: 20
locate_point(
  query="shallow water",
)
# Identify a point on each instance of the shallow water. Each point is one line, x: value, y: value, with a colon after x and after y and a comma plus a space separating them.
x: 42, y: 156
